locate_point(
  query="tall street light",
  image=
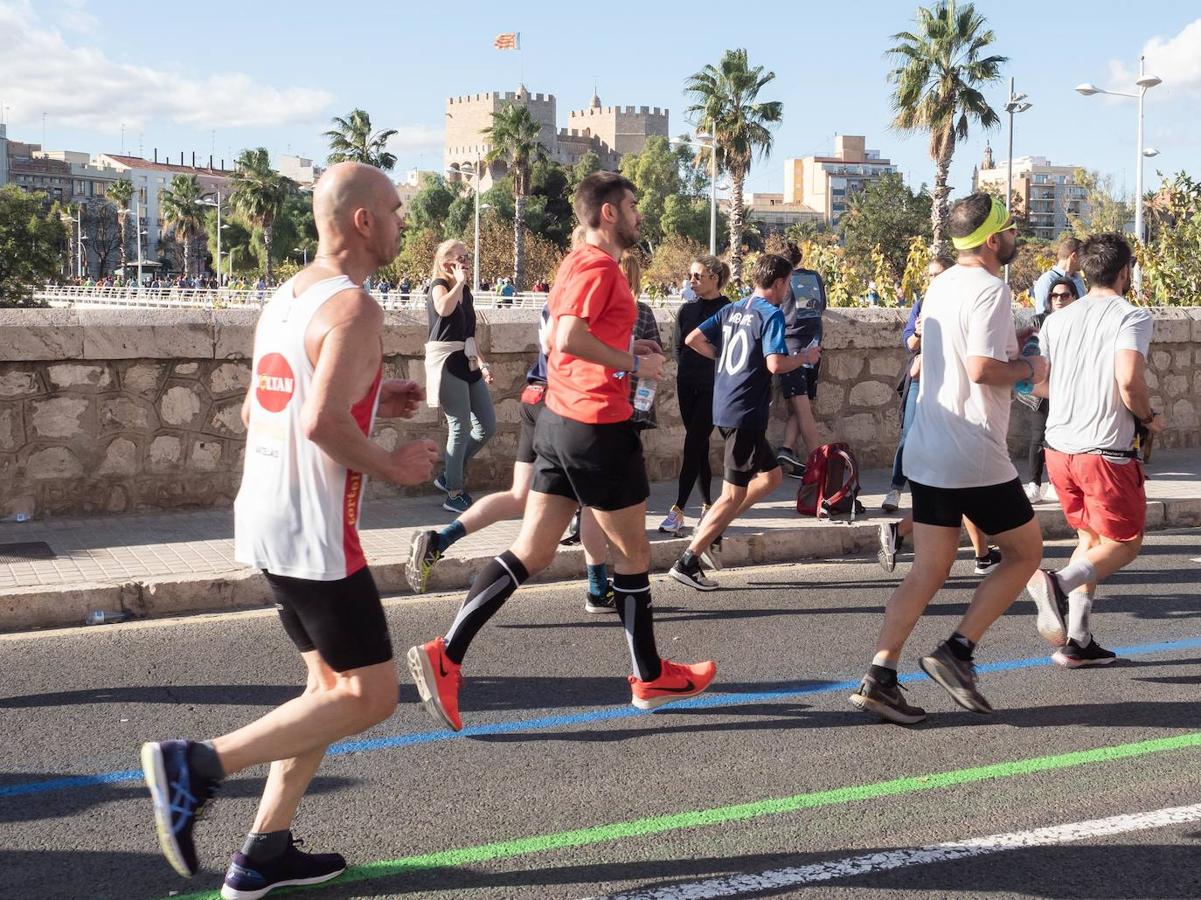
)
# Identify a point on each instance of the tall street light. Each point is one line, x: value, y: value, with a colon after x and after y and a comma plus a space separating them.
x: 217, y: 204
x: 305, y: 251
x: 710, y: 141
x: 473, y: 170
x: 1144, y: 83
x: 137, y: 217
x: 1016, y: 103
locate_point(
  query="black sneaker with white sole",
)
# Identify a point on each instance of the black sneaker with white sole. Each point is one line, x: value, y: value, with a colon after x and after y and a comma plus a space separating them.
x: 687, y: 570
x: 890, y: 545
x: 178, y: 795
x: 1072, y: 656
x: 249, y: 879
x: 886, y: 702
x: 957, y: 677
x: 601, y: 603
x: 1051, y: 604
x: 985, y: 564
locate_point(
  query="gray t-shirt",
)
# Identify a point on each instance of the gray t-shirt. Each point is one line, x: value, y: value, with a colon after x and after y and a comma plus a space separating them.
x: 957, y: 439
x: 1086, y: 411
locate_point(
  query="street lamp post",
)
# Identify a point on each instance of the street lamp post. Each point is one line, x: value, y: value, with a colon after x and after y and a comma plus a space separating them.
x: 1144, y: 83
x: 710, y: 141
x: 217, y: 204
x: 305, y: 251
x: 137, y: 217
x: 1016, y: 103
x: 474, y: 171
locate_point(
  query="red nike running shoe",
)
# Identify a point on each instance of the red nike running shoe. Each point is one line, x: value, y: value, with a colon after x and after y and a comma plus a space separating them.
x: 676, y: 681
x: 437, y: 679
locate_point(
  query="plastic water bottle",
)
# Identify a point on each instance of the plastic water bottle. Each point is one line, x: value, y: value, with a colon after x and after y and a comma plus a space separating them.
x: 1030, y: 348
x: 813, y: 343
x: 105, y: 617
x: 644, y: 394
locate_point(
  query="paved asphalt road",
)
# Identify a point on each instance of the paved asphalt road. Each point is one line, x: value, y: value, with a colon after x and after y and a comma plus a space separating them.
x: 540, y: 797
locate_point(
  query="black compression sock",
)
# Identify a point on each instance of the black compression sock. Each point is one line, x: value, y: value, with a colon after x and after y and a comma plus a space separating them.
x: 633, y: 599
x: 203, y: 760
x: 263, y: 846
x: 961, y: 646
x: 495, y: 584
x: 883, y: 675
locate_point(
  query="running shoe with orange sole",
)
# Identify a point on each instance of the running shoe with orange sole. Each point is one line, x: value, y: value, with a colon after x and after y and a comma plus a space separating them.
x: 676, y: 681
x: 437, y: 678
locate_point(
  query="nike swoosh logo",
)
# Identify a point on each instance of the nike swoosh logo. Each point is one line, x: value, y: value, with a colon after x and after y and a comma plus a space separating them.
x: 688, y: 686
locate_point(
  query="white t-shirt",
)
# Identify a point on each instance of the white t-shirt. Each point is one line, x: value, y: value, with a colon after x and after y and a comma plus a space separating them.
x: 957, y: 439
x: 1086, y: 411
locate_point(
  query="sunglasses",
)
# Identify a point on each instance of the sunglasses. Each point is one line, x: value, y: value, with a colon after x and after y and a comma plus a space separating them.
x: 1064, y: 295
x: 697, y: 276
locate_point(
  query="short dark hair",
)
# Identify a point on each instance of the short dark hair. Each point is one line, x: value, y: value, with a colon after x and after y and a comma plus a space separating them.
x: 595, y: 191
x: 793, y: 253
x: 1064, y: 282
x: 1103, y: 256
x: 969, y: 214
x: 1067, y: 247
x: 946, y: 260
x: 770, y: 268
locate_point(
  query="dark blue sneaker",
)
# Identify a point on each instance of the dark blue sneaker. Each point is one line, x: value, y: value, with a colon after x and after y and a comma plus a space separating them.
x: 248, y: 879
x: 178, y: 795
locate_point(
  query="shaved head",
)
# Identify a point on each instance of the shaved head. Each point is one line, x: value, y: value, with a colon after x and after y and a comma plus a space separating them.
x: 356, y: 205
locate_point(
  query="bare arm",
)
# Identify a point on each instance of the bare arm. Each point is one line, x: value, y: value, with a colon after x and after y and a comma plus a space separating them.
x: 986, y: 370
x: 779, y: 364
x: 446, y: 300
x: 697, y: 341
x: 572, y: 336
x: 1130, y: 372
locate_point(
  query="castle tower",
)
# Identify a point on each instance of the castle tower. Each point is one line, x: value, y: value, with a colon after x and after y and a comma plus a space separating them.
x: 468, y: 116
x: 988, y: 160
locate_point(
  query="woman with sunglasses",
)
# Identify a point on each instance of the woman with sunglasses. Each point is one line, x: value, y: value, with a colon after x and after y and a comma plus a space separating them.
x: 457, y: 377
x: 694, y: 388
x: 1063, y: 291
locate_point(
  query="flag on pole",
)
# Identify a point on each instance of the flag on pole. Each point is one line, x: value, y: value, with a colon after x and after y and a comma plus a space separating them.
x: 510, y: 40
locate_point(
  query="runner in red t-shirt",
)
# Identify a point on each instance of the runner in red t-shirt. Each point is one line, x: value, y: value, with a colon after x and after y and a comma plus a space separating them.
x: 587, y: 452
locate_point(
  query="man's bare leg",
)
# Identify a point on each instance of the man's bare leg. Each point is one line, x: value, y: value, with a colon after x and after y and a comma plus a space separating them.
x: 934, y: 552
x: 1021, y: 551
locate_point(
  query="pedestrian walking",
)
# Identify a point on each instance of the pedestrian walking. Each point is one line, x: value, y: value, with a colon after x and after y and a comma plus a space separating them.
x: 1067, y: 265
x: 587, y: 452
x: 317, y: 387
x: 456, y: 374
x: 1097, y: 350
x: 1062, y: 293
x: 802, y: 309
x: 958, y: 464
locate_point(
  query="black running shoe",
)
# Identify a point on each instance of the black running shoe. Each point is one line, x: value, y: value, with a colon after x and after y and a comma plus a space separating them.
x: 178, y: 795
x: 573, y: 532
x: 985, y: 564
x: 957, y: 677
x: 1072, y: 656
x: 1052, y: 605
x: 692, y: 575
x: 248, y: 879
x: 886, y: 702
x: 601, y: 603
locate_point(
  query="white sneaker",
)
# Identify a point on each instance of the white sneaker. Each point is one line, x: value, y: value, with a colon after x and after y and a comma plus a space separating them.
x: 1049, y: 493
x: 891, y: 501
x: 711, y: 557
x: 1034, y: 492
x: 890, y: 542
x: 674, y: 522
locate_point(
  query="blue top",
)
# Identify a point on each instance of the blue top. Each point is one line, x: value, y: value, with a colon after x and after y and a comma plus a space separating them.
x: 1042, y: 287
x: 911, y: 325
x: 745, y: 334
x: 803, y: 309
x: 537, y: 372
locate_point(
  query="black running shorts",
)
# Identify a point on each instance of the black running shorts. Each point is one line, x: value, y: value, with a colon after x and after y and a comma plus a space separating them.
x: 800, y: 382
x: 342, y: 620
x: 528, y: 414
x: 993, y: 509
x: 747, y: 454
x: 600, y: 466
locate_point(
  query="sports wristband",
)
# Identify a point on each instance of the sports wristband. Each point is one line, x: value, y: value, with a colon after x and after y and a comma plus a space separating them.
x: 637, y: 364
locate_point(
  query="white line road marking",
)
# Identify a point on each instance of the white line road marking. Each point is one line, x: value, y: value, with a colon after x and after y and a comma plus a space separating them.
x: 915, y: 856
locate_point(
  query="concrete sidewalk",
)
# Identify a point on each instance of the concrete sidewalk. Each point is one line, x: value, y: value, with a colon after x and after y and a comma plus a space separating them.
x: 182, y: 562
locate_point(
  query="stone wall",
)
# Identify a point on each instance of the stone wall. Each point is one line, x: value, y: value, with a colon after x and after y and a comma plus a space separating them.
x: 123, y: 410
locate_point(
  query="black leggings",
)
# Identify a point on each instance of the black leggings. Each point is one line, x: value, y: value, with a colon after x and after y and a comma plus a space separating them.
x: 1036, y: 454
x: 696, y: 411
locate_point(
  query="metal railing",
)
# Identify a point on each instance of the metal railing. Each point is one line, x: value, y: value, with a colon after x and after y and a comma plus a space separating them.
x: 232, y: 298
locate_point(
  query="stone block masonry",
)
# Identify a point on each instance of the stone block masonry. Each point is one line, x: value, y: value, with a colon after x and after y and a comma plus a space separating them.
x: 110, y: 411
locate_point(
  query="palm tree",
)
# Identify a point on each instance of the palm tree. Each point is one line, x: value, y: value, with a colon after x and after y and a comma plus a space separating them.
x: 258, y: 195
x: 514, y: 138
x: 351, y: 140
x: 725, y: 100
x: 941, y: 70
x: 120, y: 192
x: 181, y: 208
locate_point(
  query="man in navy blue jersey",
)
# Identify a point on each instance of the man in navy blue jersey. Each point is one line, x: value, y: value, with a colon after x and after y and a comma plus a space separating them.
x: 747, y: 340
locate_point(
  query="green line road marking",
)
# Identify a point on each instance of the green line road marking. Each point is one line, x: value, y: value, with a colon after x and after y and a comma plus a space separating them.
x: 739, y: 812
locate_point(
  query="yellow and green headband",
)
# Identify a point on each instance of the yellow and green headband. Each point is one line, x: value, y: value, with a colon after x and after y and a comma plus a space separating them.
x: 994, y: 223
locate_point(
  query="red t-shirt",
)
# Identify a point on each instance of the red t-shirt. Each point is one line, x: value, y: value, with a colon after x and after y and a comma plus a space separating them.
x: 590, y: 286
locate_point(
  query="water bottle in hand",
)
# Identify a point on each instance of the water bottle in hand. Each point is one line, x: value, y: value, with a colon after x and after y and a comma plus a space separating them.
x: 644, y: 394
x: 1030, y: 348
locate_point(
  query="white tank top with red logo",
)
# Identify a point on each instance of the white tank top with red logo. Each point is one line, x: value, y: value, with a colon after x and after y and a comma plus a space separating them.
x: 297, y: 511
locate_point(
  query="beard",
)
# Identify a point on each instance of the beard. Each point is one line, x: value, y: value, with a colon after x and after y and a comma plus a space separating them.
x: 628, y: 235
x: 1010, y: 253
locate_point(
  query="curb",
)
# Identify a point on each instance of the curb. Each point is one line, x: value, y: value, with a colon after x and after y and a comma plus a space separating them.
x: 66, y: 605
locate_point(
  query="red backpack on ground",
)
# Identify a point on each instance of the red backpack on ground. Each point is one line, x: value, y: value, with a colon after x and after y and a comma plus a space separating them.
x: 830, y: 485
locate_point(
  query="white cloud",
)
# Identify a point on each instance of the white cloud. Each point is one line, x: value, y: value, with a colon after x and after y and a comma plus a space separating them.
x: 1177, y: 60
x: 410, y: 139
x: 75, y: 16
x: 81, y: 86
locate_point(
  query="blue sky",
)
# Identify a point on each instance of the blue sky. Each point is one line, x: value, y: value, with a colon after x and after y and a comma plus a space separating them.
x: 224, y: 75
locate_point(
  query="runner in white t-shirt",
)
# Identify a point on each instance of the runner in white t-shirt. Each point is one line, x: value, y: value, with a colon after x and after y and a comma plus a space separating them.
x: 1097, y: 350
x: 957, y: 462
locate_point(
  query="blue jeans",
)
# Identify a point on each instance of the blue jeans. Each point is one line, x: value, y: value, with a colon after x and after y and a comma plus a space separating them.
x: 907, y: 414
x: 464, y: 405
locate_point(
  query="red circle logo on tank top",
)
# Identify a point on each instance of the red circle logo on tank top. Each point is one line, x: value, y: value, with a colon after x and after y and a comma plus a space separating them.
x: 274, y: 382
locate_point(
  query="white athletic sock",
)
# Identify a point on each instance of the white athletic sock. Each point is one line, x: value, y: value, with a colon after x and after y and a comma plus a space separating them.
x: 1075, y: 574
x: 884, y: 660
x: 1080, y: 605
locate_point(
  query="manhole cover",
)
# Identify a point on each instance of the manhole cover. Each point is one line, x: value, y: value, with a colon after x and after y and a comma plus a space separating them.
x: 24, y: 552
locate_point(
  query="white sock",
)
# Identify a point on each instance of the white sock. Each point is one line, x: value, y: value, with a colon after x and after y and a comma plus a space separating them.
x: 1076, y: 574
x: 884, y: 660
x: 1080, y: 605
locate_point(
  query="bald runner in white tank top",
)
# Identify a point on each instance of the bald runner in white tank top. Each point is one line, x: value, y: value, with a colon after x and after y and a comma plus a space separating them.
x: 297, y: 510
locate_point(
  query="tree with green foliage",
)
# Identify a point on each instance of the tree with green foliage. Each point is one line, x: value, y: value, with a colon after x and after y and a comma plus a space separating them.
x: 655, y: 172
x: 182, y: 211
x: 725, y: 102
x: 120, y: 193
x: 515, y: 139
x: 938, y: 80
x: 431, y: 204
x: 584, y: 166
x: 1106, y: 210
x: 1171, y: 259
x: 888, y: 215
x: 259, y: 194
x: 32, y: 240
x: 351, y: 140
